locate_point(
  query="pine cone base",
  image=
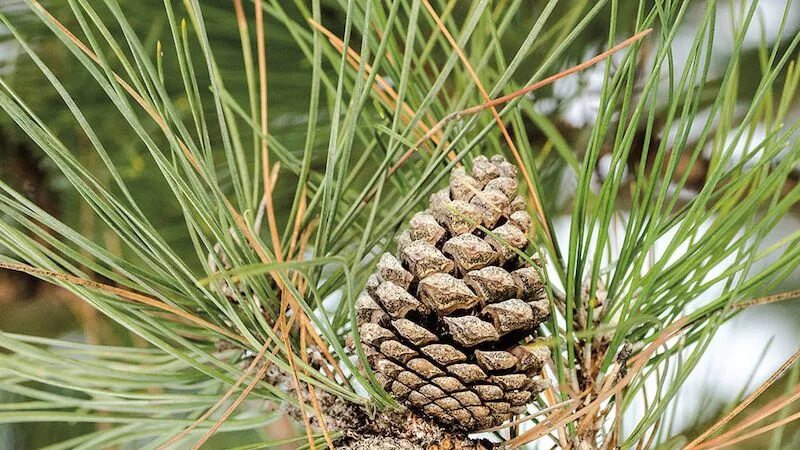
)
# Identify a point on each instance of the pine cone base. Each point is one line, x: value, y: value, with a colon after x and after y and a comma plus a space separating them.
x: 445, y: 322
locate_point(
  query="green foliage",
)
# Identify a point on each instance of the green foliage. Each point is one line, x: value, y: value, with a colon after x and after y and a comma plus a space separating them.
x: 163, y: 149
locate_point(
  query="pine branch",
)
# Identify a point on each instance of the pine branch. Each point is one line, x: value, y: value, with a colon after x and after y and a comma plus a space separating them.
x: 228, y: 241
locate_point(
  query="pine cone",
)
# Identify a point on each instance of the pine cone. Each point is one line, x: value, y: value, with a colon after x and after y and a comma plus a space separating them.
x: 442, y: 323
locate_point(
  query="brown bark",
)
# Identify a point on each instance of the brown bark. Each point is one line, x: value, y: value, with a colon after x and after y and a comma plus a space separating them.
x: 390, y: 429
x: 362, y: 429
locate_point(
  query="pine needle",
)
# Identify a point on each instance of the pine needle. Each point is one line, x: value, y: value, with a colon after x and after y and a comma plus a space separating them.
x: 506, y: 98
x: 698, y: 441
x: 641, y: 359
x: 532, y: 191
x: 119, y: 292
x: 185, y: 432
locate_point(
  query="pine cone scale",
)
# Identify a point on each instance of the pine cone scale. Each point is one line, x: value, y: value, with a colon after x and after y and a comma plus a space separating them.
x: 442, y: 321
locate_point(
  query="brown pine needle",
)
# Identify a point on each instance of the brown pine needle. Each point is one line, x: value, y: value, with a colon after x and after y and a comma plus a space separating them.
x: 386, y: 94
x: 238, y: 219
x: 214, y: 428
x: 287, y: 297
x: 551, y: 424
x: 382, y: 88
x: 783, y: 296
x: 532, y: 191
x: 221, y: 400
x: 262, y: 254
x: 313, y: 395
x: 119, y: 292
x: 296, y: 381
x: 506, y: 98
x: 147, y: 107
x: 696, y: 443
x: 756, y: 432
x: 539, y: 84
x: 767, y: 410
x: 298, y: 222
x: 151, y: 111
x: 265, y: 166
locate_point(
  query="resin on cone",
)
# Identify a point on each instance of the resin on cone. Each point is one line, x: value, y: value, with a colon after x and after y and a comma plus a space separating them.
x: 448, y: 323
